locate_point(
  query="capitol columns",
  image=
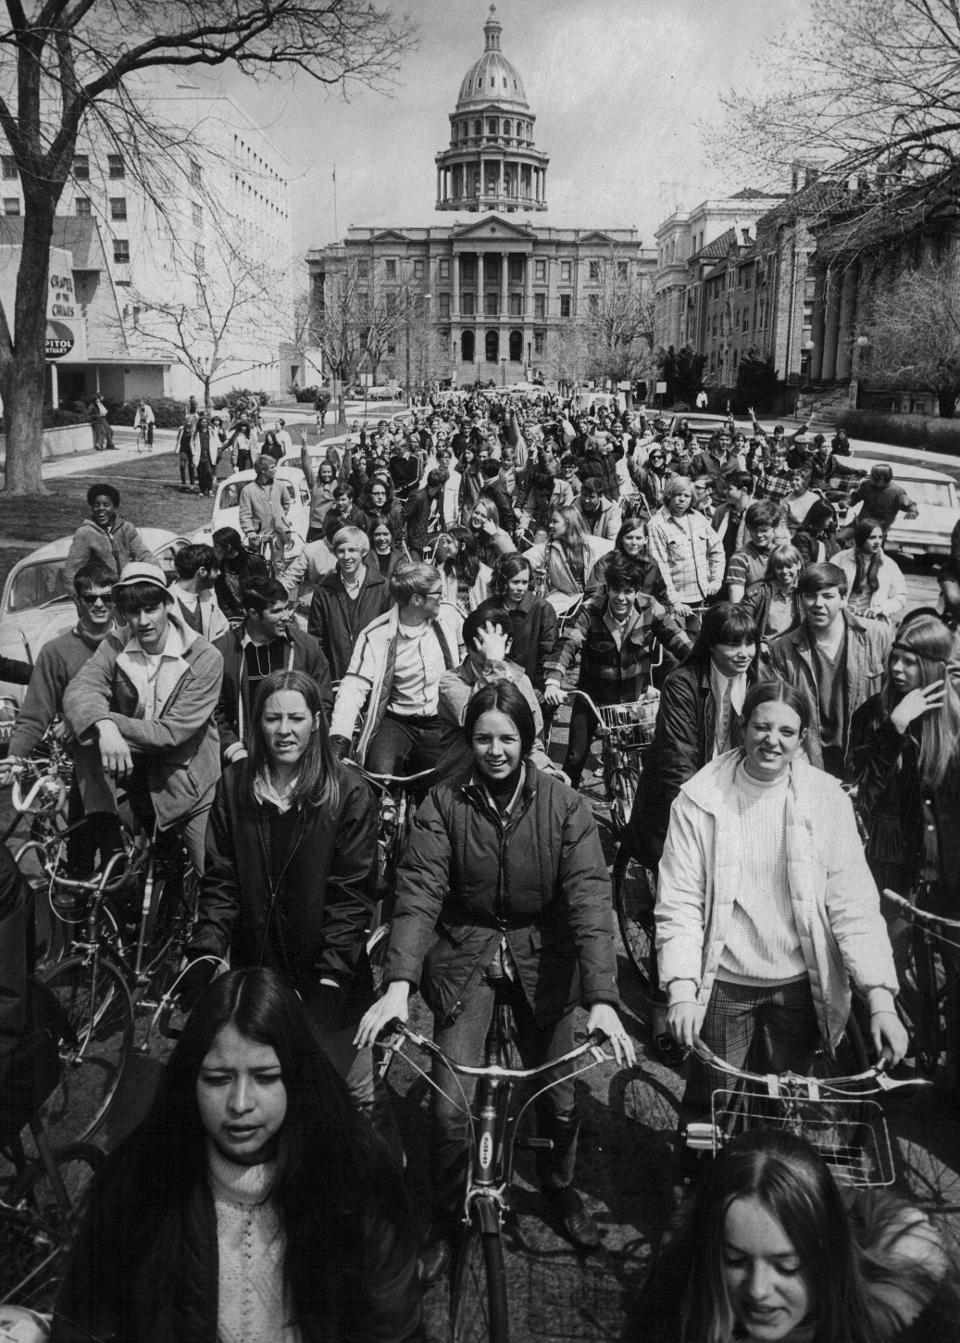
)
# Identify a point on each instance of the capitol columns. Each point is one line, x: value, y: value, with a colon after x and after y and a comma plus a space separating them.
x: 455, y: 278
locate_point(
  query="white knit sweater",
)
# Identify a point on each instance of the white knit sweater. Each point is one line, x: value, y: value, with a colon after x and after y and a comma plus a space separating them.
x: 763, y: 945
x: 250, y: 1244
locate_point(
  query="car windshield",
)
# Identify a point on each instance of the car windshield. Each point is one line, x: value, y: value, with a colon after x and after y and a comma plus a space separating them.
x: 934, y: 493
x: 37, y: 584
x: 230, y: 495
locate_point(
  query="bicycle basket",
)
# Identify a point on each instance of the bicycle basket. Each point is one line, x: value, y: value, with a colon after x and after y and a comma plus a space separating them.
x: 633, y: 724
x: 849, y: 1132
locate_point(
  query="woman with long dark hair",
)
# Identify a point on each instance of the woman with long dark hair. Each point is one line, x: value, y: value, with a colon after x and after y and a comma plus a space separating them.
x: 533, y: 620
x: 772, y: 1250
x: 252, y: 1203
x: 876, y: 587
x: 290, y: 878
x: 378, y: 504
x: 503, y: 888
x: 466, y: 579
x: 905, y: 760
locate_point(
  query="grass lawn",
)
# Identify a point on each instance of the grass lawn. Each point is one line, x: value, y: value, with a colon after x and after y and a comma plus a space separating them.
x: 149, y: 497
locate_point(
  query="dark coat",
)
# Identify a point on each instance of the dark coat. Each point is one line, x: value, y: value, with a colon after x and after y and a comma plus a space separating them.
x: 336, y: 622
x: 234, y: 707
x: 145, y: 1273
x: 682, y: 740
x: 313, y: 933
x: 894, y: 807
x: 757, y: 599
x: 611, y: 674
x: 533, y: 629
x: 540, y: 881
x: 416, y: 514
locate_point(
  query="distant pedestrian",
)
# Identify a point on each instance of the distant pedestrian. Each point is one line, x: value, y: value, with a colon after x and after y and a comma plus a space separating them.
x: 145, y: 420
x: 102, y: 432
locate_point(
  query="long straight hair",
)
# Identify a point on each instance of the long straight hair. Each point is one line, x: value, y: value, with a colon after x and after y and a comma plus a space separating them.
x: 573, y: 543
x: 321, y: 774
x: 931, y: 643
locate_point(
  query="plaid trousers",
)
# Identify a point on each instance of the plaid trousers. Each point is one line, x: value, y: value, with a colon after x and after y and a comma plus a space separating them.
x: 761, y: 1030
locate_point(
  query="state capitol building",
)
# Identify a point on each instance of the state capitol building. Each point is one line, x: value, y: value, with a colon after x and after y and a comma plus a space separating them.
x: 492, y: 295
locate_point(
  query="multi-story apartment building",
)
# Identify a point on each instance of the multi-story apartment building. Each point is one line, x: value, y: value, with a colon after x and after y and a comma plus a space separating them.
x: 196, y: 233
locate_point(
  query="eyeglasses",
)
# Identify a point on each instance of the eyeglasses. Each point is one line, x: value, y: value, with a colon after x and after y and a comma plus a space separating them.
x: 91, y: 598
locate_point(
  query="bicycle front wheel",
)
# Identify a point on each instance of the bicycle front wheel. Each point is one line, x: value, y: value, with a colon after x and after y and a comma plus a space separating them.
x: 634, y: 896
x: 478, y: 1288
x: 37, y: 1236
x: 96, y: 1023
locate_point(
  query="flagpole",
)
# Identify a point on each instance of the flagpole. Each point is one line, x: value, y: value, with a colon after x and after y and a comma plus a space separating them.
x: 336, y: 231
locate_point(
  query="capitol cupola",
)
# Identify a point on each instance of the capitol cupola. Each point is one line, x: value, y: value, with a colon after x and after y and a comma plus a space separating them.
x: 492, y: 163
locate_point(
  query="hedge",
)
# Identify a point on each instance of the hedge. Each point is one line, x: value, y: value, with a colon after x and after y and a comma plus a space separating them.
x: 907, y: 431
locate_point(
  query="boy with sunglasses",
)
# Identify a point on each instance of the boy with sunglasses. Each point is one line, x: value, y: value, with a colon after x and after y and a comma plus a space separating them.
x: 57, y: 663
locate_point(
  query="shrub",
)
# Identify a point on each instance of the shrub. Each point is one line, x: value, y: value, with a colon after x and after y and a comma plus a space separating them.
x: 910, y: 431
x: 55, y: 417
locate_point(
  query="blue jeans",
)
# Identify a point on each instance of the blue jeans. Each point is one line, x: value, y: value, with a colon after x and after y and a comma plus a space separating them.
x: 463, y: 1039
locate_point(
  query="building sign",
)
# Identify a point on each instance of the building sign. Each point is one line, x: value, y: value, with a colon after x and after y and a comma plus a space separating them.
x: 59, y: 340
x: 61, y: 301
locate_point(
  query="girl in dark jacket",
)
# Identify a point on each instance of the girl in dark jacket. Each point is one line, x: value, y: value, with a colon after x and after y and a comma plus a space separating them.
x: 251, y: 1202
x: 533, y: 619
x: 378, y: 504
x: 503, y: 883
x: 774, y: 602
x: 290, y: 868
x: 905, y: 760
x: 385, y: 553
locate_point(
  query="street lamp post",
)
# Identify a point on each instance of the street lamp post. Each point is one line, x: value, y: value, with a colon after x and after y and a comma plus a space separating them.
x: 426, y: 298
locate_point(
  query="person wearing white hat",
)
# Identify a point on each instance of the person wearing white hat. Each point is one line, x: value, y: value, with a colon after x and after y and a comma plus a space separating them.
x: 143, y: 707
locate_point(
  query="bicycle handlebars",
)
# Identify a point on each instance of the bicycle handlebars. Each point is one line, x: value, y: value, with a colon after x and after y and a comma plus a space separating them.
x: 594, y: 1043
x: 873, y: 1078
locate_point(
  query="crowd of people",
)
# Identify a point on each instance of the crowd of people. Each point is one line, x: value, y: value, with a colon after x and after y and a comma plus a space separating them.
x: 462, y: 568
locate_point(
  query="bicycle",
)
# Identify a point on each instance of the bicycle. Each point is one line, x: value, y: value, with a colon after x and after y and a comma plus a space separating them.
x: 42, y: 1205
x: 479, y: 1307
x: 929, y: 998
x: 833, y: 1110
x: 395, y: 816
x: 626, y: 730
x: 115, y: 965
x: 143, y: 440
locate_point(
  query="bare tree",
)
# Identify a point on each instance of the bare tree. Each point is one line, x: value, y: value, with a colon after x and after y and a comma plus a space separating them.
x: 914, y: 332
x: 206, y: 326
x: 64, y: 63
x: 356, y: 324
x: 618, y: 324
x: 869, y: 92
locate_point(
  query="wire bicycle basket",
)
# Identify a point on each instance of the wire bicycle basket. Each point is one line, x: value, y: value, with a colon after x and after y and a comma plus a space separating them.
x: 849, y: 1131
x: 631, y: 725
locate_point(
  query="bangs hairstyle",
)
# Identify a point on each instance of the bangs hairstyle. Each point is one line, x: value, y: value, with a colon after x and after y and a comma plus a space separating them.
x: 927, y: 638
x: 321, y: 773
x: 140, y: 597
x: 503, y: 697
x: 725, y: 623
x: 507, y: 567
x: 465, y: 564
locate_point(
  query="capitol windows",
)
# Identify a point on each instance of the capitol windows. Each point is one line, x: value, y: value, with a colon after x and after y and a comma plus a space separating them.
x: 82, y: 206
x: 363, y: 268
x: 445, y: 307
x: 81, y: 167
x: 443, y: 268
x: 418, y: 269
x: 118, y: 207
x: 516, y: 270
x: 491, y: 125
x: 566, y: 272
x: 540, y: 272
x: 491, y: 304
x: 595, y: 271
x: 467, y: 346
x: 491, y: 347
x: 115, y: 167
x: 390, y: 269
x: 540, y: 307
x: 121, y: 251
x: 478, y: 128
x: 468, y: 304
x: 516, y: 347
x: 9, y: 168
x: 539, y: 342
x: 11, y: 205
x: 506, y: 127
x: 566, y: 305
x: 516, y: 305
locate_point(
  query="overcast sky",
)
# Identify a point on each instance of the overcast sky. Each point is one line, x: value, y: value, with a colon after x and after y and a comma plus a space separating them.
x: 618, y: 88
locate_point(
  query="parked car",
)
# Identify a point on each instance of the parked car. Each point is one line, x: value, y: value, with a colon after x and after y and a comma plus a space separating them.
x: 37, y: 600
x: 703, y: 426
x: 926, y: 537
x: 226, y: 502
